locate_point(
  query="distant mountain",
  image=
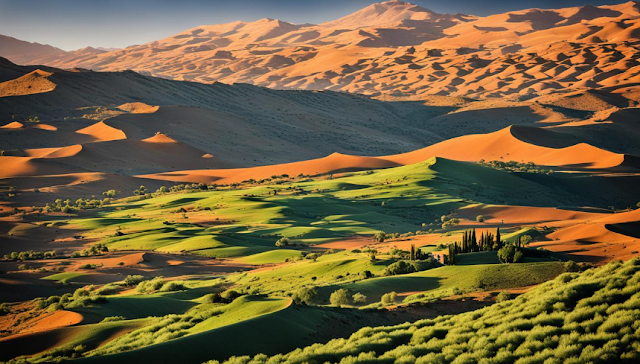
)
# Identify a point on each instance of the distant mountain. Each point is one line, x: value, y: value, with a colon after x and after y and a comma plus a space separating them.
x: 397, y: 49
x: 21, y: 52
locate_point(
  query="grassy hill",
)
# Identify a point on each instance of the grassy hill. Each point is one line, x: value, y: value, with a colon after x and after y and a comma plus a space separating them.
x: 589, y: 317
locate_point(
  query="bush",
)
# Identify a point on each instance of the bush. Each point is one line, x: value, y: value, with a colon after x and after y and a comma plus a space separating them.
x: 380, y: 236
x: 133, y: 280
x: 172, y: 286
x: 389, y: 298
x: 306, y: 295
x: 480, y: 218
x: 113, y: 318
x: 339, y: 298
x: 230, y: 295
x: 503, y: 296
x: 212, y: 298
x: 4, y: 309
x: 571, y: 266
x: 359, y: 298
x: 283, y: 242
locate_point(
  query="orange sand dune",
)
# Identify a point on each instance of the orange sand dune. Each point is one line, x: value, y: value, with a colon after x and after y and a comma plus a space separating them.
x: 503, y: 145
x: 500, y: 145
x: 13, y: 125
x: 332, y: 164
x: 595, y: 240
x: 55, y: 320
x: 514, y: 215
x: 160, y: 138
x: 44, y: 127
x: 138, y: 108
x: 32, y: 83
x: 103, y: 132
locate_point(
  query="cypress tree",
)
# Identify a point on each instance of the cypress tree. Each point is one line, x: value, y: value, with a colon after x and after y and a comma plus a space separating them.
x: 498, y: 241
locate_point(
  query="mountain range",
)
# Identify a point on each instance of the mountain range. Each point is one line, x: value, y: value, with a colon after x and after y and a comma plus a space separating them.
x: 389, y: 49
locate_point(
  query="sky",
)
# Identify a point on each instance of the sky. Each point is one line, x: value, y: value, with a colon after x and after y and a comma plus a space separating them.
x: 74, y: 24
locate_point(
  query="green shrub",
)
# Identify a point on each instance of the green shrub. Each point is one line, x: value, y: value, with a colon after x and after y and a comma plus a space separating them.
x: 358, y: 298
x: 133, y: 280
x: 339, y: 297
x: 113, y: 318
x: 306, y: 295
x: 480, y: 218
x: 510, y: 254
x: 503, y: 296
x: 389, y: 298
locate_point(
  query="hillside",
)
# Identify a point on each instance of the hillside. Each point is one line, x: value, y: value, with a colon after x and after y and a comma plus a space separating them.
x: 396, y: 48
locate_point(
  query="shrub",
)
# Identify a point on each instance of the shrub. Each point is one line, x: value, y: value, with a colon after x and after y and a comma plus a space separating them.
x: 283, y: 242
x: 480, y: 218
x: 230, y: 295
x: 380, y: 236
x: 306, y: 295
x: 503, y: 296
x: 133, y: 280
x: 339, y: 298
x: 571, y: 266
x: 113, y: 318
x: 4, y: 309
x: 389, y: 298
x: 359, y: 298
x: 172, y: 286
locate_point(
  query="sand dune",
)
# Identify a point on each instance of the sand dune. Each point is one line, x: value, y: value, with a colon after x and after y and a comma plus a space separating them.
x: 502, y: 145
x: 397, y: 48
x: 100, y: 131
x: 31, y: 83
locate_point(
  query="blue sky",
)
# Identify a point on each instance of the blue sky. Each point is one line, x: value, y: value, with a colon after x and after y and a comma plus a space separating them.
x: 73, y: 24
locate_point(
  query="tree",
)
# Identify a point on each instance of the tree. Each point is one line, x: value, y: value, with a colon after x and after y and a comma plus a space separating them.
x: 571, y: 266
x: 359, y: 298
x: 480, y: 218
x: 389, y: 298
x: 283, y: 242
x: 306, y: 295
x: 510, y: 254
x: 380, y: 236
x: 498, y: 243
x: 412, y: 253
x: 339, y: 298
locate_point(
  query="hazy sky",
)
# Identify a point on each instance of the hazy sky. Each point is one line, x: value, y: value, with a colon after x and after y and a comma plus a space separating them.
x: 73, y: 24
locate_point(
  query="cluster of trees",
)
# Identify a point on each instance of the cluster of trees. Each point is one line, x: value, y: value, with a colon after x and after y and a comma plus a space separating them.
x: 96, y: 249
x: 448, y: 221
x: 406, y: 267
x: 30, y: 255
x: 158, y: 284
x: 470, y: 244
x: 282, y: 242
x: 513, y: 166
x: 82, y: 297
x: 68, y: 206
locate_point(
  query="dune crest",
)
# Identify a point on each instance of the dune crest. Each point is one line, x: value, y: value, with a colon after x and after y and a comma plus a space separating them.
x: 138, y: 108
x: 100, y: 131
x: 34, y: 82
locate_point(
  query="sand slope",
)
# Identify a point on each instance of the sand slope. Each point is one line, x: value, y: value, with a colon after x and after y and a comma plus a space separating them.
x: 397, y: 48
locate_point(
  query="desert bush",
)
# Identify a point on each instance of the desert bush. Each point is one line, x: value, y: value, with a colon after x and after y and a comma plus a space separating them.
x: 389, y: 298
x: 306, y: 295
x: 113, y: 319
x: 358, y: 298
x: 339, y: 297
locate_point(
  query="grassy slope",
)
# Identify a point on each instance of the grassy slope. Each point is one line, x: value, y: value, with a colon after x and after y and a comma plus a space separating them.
x: 577, y: 318
x: 249, y: 220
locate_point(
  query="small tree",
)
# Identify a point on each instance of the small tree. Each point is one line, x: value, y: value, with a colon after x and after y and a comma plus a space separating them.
x: 359, y: 298
x: 339, y: 298
x: 380, y: 236
x: 306, y: 295
x: 389, y: 298
x: 480, y: 218
x: 571, y: 266
x: 283, y: 242
x: 503, y: 296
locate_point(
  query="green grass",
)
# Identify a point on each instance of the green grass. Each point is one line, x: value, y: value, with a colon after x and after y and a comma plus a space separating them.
x: 66, y: 277
x: 576, y: 318
x: 272, y: 256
